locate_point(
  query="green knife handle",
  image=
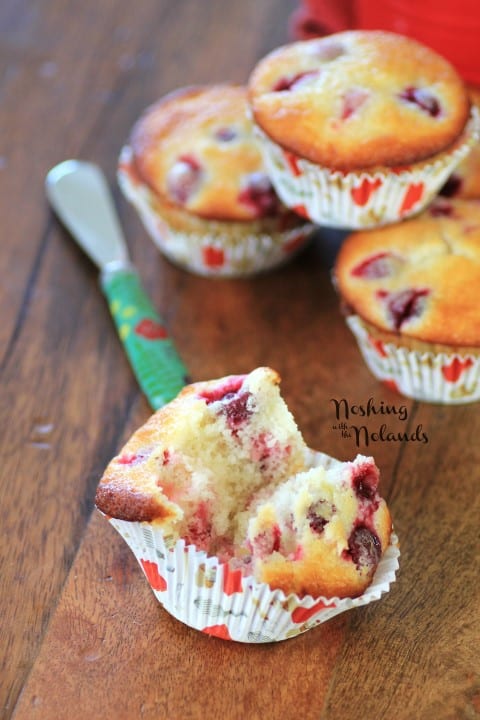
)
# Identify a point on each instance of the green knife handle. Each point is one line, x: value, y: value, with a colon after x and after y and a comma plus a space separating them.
x: 155, y: 362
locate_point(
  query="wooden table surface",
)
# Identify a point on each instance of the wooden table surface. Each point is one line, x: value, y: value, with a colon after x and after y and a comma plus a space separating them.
x: 81, y: 634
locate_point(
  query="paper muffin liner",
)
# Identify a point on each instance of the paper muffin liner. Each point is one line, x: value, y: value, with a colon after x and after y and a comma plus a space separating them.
x: 215, y: 599
x: 361, y: 199
x: 450, y: 378
x: 224, y: 249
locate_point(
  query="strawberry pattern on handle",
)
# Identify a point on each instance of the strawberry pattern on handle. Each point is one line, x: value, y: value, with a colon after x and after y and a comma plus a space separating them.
x: 150, y: 329
x: 155, y: 362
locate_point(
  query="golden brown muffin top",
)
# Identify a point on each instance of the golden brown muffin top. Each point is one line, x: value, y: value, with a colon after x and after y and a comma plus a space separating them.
x: 131, y: 487
x: 151, y: 479
x: 359, y: 99
x: 195, y: 148
x: 419, y: 279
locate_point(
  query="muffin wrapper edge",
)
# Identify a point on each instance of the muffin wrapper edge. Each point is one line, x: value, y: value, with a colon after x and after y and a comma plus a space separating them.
x: 211, y: 597
x: 215, y: 253
x: 437, y: 377
x: 360, y: 199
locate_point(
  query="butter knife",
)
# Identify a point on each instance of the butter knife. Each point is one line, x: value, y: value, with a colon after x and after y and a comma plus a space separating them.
x: 79, y: 194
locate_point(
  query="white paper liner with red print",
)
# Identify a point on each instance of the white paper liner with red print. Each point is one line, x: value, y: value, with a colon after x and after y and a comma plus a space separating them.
x: 360, y: 199
x: 217, y: 600
x: 218, y: 252
x: 448, y: 378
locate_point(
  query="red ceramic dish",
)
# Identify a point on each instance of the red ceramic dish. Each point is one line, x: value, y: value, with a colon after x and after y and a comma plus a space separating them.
x: 453, y: 31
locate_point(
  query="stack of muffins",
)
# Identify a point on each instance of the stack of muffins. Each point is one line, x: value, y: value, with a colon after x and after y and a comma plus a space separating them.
x: 363, y: 130
x: 359, y: 130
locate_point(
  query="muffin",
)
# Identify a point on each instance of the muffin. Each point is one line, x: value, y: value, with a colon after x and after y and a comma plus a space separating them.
x: 360, y: 128
x: 218, y: 493
x: 321, y: 532
x: 194, y: 172
x: 411, y: 293
x: 464, y: 182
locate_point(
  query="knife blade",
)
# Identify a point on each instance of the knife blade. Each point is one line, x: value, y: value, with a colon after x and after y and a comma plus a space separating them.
x: 79, y: 193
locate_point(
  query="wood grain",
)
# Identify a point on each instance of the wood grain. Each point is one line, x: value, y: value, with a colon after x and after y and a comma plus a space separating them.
x: 81, y: 635
x: 100, y: 643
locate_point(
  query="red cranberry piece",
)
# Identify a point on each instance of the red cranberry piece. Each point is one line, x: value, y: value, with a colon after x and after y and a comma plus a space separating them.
x: 183, y: 178
x: 316, y: 516
x: 127, y: 459
x: 404, y: 305
x: 267, y: 542
x: 452, y: 187
x: 259, y: 195
x: 365, y: 483
x: 293, y: 81
x: 225, y: 134
x: 262, y: 449
x: 236, y: 409
x: 364, y: 547
x: 352, y: 100
x: 442, y: 209
x: 231, y: 385
x: 424, y: 99
x: 377, y: 266
x: 199, y: 530
x: 234, y: 403
x: 133, y: 458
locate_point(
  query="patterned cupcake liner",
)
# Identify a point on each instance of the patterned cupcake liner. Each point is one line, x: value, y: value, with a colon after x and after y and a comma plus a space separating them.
x: 226, y: 250
x: 451, y: 378
x: 361, y: 199
x: 211, y: 597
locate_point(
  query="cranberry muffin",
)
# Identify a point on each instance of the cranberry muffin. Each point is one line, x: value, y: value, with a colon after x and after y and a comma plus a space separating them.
x: 223, y: 473
x: 360, y: 128
x: 464, y: 182
x: 194, y: 172
x: 411, y: 291
x: 321, y: 532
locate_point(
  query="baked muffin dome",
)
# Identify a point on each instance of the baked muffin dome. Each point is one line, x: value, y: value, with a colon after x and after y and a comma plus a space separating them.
x: 418, y: 279
x: 359, y: 99
x: 224, y: 467
x: 195, y: 149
